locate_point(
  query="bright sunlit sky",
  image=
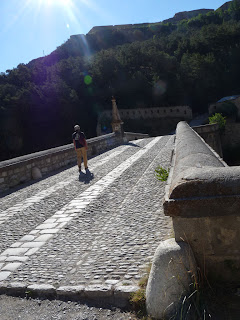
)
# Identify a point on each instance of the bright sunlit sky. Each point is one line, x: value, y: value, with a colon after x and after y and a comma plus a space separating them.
x: 30, y: 29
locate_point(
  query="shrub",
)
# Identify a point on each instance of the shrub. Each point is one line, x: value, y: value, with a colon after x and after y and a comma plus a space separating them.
x: 218, y: 118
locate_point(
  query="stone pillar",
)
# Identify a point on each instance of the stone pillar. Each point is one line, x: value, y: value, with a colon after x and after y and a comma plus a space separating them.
x: 117, y: 123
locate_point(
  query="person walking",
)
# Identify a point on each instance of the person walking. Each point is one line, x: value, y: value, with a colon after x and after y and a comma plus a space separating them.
x: 80, y: 144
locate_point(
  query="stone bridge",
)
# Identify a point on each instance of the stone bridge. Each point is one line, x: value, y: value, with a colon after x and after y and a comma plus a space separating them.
x: 89, y: 236
x: 92, y: 236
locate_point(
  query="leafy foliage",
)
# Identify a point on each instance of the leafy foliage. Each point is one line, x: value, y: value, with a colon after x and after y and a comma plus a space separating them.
x: 218, y: 118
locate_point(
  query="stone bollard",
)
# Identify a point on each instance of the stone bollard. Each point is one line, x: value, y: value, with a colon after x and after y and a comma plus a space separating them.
x: 172, y: 273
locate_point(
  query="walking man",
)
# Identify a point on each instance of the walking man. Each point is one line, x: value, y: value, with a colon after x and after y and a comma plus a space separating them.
x: 80, y: 145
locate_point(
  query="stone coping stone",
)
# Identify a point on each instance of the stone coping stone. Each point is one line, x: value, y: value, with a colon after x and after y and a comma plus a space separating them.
x: 206, y: 128
x: 200, y: 184
x: 117, y: 296
x: 189, y: 145
x: 207, y: 182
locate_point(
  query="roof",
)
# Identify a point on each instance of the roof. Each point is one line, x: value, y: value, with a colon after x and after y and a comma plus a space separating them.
x: 229, y: 98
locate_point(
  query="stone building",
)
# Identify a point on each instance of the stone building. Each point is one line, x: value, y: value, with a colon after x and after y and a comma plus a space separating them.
x: 234, y: 99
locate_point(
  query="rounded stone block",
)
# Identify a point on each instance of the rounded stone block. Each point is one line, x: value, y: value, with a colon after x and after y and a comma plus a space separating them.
x: 172, y: 272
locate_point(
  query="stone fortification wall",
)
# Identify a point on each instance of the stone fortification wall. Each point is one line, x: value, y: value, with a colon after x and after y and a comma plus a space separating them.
x: 146, y: 114
x: 23, y: 169
x: 203, y: 198
x: 184, y: 112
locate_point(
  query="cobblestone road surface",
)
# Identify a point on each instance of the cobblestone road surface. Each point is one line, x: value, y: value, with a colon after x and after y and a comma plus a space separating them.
x: 92, y: 234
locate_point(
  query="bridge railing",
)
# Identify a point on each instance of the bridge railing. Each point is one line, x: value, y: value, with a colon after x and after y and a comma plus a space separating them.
x: 203, y: 198
x: 21, y: 169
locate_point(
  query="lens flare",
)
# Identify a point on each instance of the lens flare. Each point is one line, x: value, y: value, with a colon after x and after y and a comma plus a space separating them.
x: 87, y: 80
x: 160, y: 88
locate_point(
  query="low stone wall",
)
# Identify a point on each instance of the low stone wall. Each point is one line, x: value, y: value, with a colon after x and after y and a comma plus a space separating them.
x: 211, y: 134
x: 19, y: 170
x: 203, y: 198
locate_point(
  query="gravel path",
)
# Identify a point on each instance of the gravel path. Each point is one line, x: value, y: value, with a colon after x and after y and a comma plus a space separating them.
x: 90, y: 235
x: 12, y: 308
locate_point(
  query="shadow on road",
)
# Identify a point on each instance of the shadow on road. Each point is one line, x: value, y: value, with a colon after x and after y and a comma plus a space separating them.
x: 86, y: 177
x: 132, y: 144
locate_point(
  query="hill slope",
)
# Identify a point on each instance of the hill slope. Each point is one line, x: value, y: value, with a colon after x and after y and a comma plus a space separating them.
x: 192, y: 62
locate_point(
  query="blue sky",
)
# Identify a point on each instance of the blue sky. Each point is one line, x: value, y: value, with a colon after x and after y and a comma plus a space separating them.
x: 32, y: 28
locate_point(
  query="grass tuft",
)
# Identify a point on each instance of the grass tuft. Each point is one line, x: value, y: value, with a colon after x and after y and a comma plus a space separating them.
x: 138, y: 298
x: 161, y: 173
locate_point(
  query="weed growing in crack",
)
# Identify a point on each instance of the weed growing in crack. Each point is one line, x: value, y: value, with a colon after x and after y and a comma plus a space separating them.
x: 138, y: 298
x: 161, y: 173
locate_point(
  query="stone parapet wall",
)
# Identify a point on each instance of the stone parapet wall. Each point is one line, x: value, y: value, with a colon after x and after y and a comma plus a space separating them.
x: 152, y: 119
x: 231, y: 135
x: 203, y: 198
x: 19, y: 170
x: 211, y: 134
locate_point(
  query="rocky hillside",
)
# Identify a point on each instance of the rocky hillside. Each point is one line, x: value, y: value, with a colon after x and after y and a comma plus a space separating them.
x: 187, y: 15
x: 105, y: 37
x: 225, y: 6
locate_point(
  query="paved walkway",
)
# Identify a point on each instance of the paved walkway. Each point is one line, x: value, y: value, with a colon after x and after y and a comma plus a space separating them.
x: 91, y: 235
